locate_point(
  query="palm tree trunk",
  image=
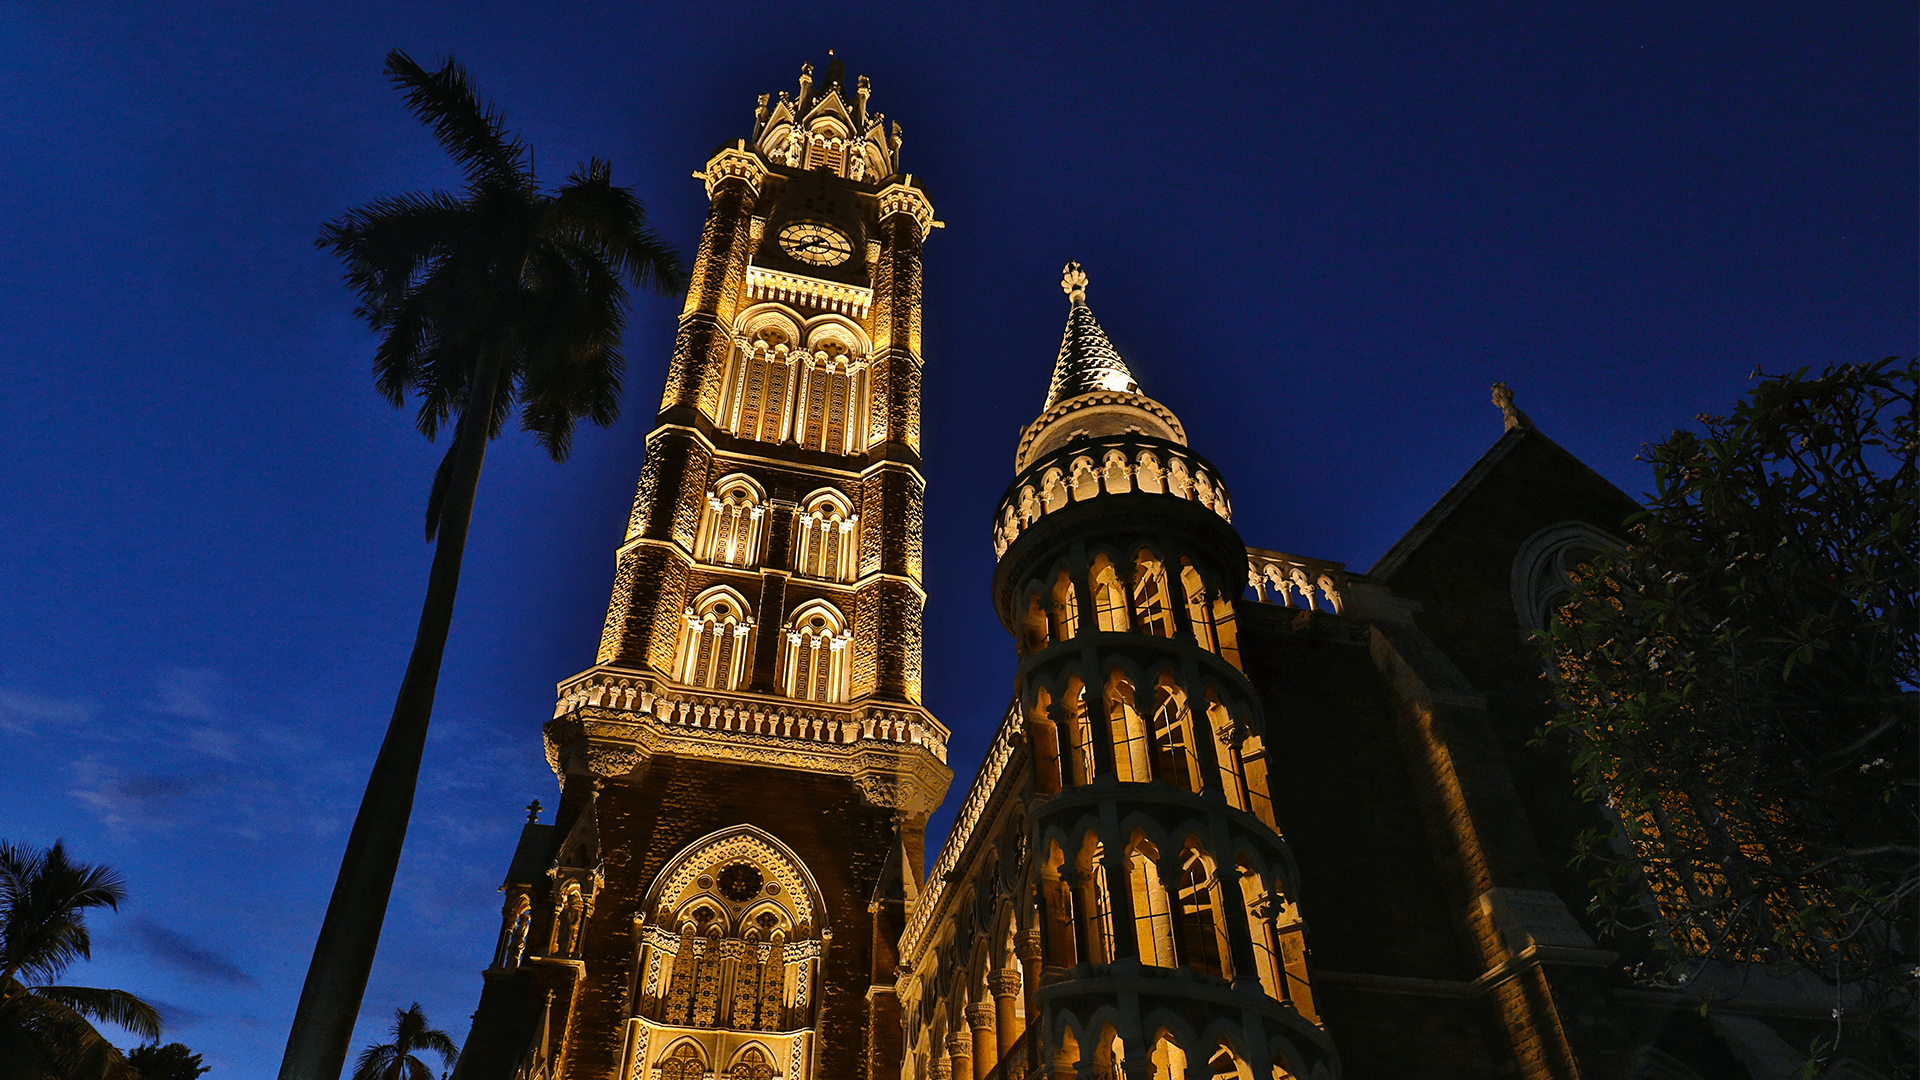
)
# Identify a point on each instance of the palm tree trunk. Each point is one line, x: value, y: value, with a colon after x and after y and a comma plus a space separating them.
x: 323, y: 1023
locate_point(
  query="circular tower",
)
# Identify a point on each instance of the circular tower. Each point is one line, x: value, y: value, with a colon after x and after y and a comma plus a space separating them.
x: 1169, y: 945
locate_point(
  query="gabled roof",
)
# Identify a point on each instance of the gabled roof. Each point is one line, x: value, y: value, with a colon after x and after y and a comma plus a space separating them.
x: 1440, y: 512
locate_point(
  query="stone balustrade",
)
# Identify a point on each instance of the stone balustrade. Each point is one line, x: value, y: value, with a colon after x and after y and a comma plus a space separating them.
x: 1114, y: 465
x: 1292, y: 581
x: 999, y: 752
x: 714, y: 710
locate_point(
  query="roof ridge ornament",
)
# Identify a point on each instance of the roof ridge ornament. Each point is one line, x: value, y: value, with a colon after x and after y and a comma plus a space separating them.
x: 1073, y: 281
x: 1509, y: 412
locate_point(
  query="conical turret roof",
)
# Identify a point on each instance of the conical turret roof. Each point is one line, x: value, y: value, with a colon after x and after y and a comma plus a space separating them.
x: 1088, y: 361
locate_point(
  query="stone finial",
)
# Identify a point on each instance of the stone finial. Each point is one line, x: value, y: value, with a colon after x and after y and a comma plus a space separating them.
x: 533, y: 812
x: 1073, y: 282
x: 1503, y: 398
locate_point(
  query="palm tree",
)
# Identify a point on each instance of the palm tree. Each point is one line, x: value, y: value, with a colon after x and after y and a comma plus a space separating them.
x: 500, y: 295
x: 396, y: 1060
x: 45, y: 1030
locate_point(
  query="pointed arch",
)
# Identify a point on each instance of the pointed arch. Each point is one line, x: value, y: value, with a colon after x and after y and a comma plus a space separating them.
x: 759, y: 384
x: 1176, y: 759
x: 733, y: 523
x: 1152, y: 607
x: 1226, y: 751
x: 1130, y: 747
x: 1202, y: 927
x: 1152, y: 908
x: 816, y: 645
x: 715, y: 641
x: 685, y: 1060
x: 825, y: 538
x: 1109, y: 596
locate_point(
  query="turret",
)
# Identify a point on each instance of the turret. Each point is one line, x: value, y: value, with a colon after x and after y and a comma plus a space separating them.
x: 1160, y: 882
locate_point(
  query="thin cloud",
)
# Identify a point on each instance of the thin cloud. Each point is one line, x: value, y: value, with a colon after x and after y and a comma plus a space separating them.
x: 180, y: 951
x: 194, y: 693
x: 20, y: 711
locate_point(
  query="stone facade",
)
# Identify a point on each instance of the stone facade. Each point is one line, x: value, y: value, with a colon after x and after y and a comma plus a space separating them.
x: 1249, y: 815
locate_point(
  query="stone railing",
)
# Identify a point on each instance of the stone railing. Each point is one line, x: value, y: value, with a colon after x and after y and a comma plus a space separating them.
x: 1291, y: 581
x: 1114, y: 465
x: 714, y: 710
x: 964, y: 822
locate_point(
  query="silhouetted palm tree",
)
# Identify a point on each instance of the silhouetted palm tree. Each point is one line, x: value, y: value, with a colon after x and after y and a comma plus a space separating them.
x: 45, y: 1030
x: 500, y: 295
x: 396, y: 1060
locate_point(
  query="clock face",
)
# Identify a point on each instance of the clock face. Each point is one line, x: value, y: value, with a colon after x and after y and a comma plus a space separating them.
x: 812, y: 242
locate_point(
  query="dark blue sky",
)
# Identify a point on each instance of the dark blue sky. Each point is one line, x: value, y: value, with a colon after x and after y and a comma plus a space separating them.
x: 1318, y: 232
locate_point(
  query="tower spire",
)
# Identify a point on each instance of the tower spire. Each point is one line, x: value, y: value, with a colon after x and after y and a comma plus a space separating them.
x: 1088, y: 361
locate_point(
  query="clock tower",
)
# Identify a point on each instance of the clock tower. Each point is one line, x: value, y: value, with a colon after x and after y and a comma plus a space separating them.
x: 746, y: 770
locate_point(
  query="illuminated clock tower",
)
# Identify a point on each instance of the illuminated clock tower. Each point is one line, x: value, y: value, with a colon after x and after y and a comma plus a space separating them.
x: 747, y: 769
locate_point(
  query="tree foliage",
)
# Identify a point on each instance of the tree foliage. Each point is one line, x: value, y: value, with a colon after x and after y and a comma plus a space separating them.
x: 46, y: 1031
x: 170, y: 1062
x: 398, y: 1060
x: 500, y: 295
x: 1738, y: 686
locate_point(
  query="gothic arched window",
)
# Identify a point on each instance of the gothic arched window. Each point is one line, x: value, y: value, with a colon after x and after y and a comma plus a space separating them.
x: 1226, y: 753
x: 1152, y: 612
x: 761, y: 382
x: 731, y: 528
x: 1130, y: 760
x: 751, y: 1066
x: 1109, y: 596
x: 1199, y: 611
x: 714, y: 650
x: 1066, y: 609
x: 1152, y: 911
x: 684, y: 1063
x: 1203, y: 934
x: 1076, y: 734
x: 1095, y: 904
x: 824, y: 538
x: 1176, y: 759
x: 816, y: 663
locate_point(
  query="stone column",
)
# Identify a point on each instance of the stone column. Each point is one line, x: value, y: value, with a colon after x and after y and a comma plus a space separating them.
x: 985, y: 1053
x: 1007, y: 1021
x: 960, y: 1053
x: 940, y: 1068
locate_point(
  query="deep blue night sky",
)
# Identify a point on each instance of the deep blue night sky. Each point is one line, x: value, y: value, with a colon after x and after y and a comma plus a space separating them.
x: 1318, y: 233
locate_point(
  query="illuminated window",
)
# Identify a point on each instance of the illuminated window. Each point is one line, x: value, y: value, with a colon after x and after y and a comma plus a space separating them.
x: 1109, y: 598
x: 1066, y: 609
x: 713, y: 650
x: 1152, y: 613
x: 1129, y: 731
x: 1199, y: 611
x: 1096, y: 905
x: 751, y: 1066
x: 817, y: 653
x: 1203, y: 934
x: 1176, y: 760
x: 1225, y: 632
x: 1152, y: 913
x: 730, y: 529
x: 1169, y: 1061
x: 684, y: 1063
x: 1226, y: 753
x: 1033, y: 627
x: 1077, y: 734
x: 824, y: 538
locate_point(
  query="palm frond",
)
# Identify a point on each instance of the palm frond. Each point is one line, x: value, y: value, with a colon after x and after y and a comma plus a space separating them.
x: 590, y: 210
x: 41, y: 1034
x: 43, y: 903
x: 471, y: 131
x: 113, y: 1006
